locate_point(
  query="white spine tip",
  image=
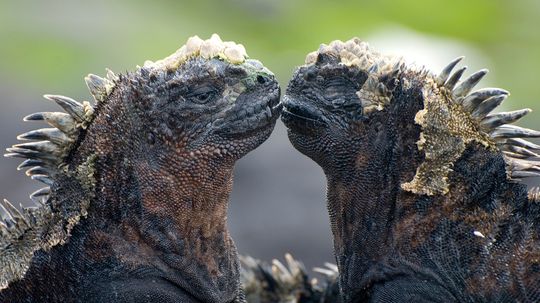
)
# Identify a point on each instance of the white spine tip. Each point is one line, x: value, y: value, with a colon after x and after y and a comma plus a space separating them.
x: 478, y: 234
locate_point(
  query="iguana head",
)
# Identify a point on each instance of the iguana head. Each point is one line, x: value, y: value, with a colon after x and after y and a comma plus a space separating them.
x: 207, y: 97
x: 162, y: 139
x: 350, y: 106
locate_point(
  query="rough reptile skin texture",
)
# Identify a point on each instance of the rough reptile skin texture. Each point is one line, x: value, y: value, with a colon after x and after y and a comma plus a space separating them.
x: 473, y: 237
x: 163, y: 144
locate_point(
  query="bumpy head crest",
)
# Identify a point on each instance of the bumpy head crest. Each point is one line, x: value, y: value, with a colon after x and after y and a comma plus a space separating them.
x: 210, y: 48
x: 374, y: 94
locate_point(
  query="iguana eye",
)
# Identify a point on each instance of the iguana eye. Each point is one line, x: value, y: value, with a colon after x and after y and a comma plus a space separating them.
x: 203, y: 95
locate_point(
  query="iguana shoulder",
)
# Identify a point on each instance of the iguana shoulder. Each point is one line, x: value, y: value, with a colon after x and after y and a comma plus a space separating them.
x: 138, y: 184
x: 424, y: 191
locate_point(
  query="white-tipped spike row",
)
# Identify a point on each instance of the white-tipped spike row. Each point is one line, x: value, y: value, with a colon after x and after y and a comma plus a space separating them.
x: 25, y: 153
x: 99, y: 87
x: 473, y: 100
x: 64, y: 122
x: 43, y: 192
x: 331, y: 266
x: 522, y: 164
x: 512, y: 131
x: 38, y: 170
x: 487, y: 106
x: 520, y: 151
x: 534, y: 194
x: 326, y: 272
x: 30, y: 163
x: 43, y: 179
x: 280, y: 271
x: 447, y: 70
x: 468, y: 84
x: 454, y: 79
x: 51, y: 134
x: 72, y: 107
x: 496, y: 120
x: 330, y: 271
x: 524, y: 174
x: 5, y: 217
x: 294, y: 266
x: 13, y: 211
x: 111, y: 75
x: 514, y: 155
x: 523, y: 143
x: 40, y: 146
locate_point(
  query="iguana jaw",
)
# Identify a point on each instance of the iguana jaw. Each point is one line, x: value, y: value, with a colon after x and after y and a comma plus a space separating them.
x: 302, y: 117
x: 254, y: 111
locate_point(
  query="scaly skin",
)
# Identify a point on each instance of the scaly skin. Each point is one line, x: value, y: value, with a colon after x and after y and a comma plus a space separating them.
x: 163, y: 146
x: 477, y: 240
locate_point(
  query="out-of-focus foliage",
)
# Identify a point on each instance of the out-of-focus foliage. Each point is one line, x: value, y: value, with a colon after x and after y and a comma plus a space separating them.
x: 49, y: 43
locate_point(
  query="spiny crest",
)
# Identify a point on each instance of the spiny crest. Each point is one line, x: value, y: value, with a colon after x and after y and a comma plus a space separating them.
x: 101, y: 88
x: 208, y: 49
x: 49, y: 146
x: 465, y: 116
x: 283, y: 283
x: 24, y: 231
x: 534, y: 194
x: 17, y: 234
x: 374, y: 94
x: 521, y: 156
x: 45, y: 154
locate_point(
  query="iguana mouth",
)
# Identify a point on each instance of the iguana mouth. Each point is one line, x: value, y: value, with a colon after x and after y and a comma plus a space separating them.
x: 298, y: 116
x: 252, y: 116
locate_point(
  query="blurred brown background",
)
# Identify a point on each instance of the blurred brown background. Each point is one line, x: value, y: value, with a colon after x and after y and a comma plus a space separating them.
x: 278, y: 204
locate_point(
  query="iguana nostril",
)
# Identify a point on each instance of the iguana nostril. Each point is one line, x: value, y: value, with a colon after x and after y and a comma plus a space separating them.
x: 262, y: 79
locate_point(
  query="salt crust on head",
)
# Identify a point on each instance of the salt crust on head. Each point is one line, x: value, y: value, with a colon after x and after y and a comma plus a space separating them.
x: 208, y: 49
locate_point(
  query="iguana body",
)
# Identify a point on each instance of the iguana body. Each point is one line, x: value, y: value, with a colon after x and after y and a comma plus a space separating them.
x: 140, y: 183
x: 423, y: 195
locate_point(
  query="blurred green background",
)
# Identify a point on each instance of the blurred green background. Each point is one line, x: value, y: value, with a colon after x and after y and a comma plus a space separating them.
x: 278, y: 202
x: 48, y: 45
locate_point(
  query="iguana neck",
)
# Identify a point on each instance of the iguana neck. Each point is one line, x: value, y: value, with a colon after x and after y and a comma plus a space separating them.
x: 361, y: 208
x: 363, y: 183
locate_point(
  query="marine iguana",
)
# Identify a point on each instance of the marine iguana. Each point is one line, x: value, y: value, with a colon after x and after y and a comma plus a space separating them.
x: 138, y: 185
x: 423, y: 188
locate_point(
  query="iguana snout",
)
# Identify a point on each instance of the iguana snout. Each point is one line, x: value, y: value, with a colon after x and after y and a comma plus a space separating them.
x: 257, y: 106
